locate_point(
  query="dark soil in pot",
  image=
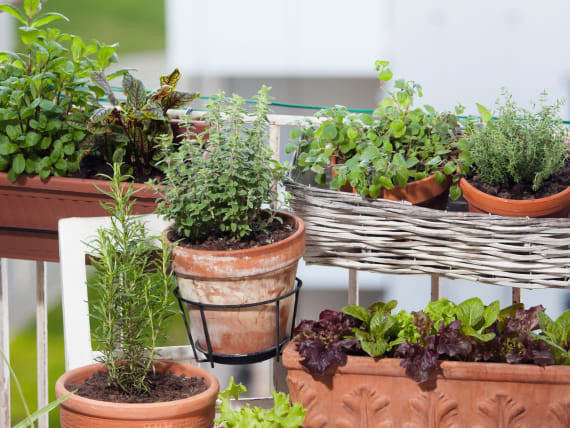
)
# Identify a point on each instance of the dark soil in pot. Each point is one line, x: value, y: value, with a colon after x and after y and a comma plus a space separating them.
x: 164, y: 387
x: 276, y: 231
x: 551, y: 186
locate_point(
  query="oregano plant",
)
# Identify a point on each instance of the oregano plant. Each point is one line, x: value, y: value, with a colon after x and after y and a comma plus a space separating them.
x: 46, y: 96
x: 132, y: 286
x: 217, y: 183
x: 396, y: 144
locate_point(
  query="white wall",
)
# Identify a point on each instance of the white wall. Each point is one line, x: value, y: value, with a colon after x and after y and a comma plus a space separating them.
x: 6, y: 31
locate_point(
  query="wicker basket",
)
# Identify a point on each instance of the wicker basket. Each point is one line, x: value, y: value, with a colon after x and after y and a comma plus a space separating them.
x: 348, y: 231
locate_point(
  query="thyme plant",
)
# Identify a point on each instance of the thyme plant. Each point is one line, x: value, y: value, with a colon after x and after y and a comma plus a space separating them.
x: 132, y: 284
x: 520, y: 146
x: 217, y: 183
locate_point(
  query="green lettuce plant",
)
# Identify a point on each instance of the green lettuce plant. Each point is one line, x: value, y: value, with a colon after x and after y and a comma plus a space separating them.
x: 398, y: 143
x: 520, y: 145
x: 218, y: 183
x: 46, y: 96
x: 128, y: 131
x: 282, y: 415
x: 132, y: 283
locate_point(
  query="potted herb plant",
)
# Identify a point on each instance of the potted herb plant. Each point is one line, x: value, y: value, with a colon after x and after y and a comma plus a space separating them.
x: 131, y: 305
x: 521, y: 162
x: 231, y: 249
x: 456, y: 366
x: 399, y: 152
x: 50, y: 133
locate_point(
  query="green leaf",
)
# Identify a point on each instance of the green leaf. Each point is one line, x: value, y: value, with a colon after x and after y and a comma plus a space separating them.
x: 485, y: 114
x: 374, y: 190
x: 32, y: 139
x: 386, y: 182
x: 13, y: 131
x: 374, y: 349
x: 470, y: 312
x: 385, y: 75
x: 338, y: 181
x: 433, y: 161
x: 358, y: 312
x: 370, y: 153
x: 295, y: 133
x: 397, y: 128
x: 29, y: 35
x: 440, y: 177
x: 351, y: 132
x: 329, y: 131
x: 449, y: 168
x: 411, y: 162
x: 32, y: 7
x: 491, y: 313
x: 46, y: 18
x: 11, y: 10
x: 19, y: 163
x: 454, y: 193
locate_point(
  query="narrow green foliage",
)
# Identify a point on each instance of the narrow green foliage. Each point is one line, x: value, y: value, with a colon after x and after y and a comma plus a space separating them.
x: 520, y: 146
x: 399, y: 143
x: 282, y: 415
x: 46, y: 96
x: 132, y: 283
x: 130, y: 130
x: 217, y: 182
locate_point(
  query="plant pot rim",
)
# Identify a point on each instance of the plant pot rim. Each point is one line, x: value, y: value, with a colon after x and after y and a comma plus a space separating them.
x: 71, y: 185
x: 469, y: 189
x: 138, y: 411
x: 249, y: 252
x: 499, y: 372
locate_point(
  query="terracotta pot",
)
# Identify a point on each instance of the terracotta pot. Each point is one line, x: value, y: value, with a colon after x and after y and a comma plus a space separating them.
x: 555, y: 206
x: 376, y: 393
x: 178, y: 130
x: 196, y: 411
x: 241, y: 277
x: 424, y: 193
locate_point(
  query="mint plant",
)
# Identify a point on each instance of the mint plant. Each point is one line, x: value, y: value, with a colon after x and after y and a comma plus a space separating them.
x: 397, y: 144
x: 46, y: 96
x: 282, y: 415
x: 217, y: 183
x: 132, y: 284
x: 520, y: 146
x: 129, y: 131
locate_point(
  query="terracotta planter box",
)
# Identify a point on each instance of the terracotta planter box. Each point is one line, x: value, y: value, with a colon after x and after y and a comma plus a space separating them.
x: 30, y: 209
x: 376, y: 393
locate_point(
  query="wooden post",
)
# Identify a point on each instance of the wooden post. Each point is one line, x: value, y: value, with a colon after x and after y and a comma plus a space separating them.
x: 516, y: 296
x: 435, y: 288
x: 353, y: 287
x: 42, y: 341
x: 4, y: 346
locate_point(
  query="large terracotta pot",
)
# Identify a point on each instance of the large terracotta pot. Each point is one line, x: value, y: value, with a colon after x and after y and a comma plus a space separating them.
x: 197, y: 411
x: 556, y: 206
x: 240, y: 277
x: 367, y: 393
x: 424, y: 193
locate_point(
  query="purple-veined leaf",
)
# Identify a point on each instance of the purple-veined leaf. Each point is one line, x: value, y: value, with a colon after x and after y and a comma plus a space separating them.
x: 98, y: 77
x: 178, y: 99
x: 171, y: 80
x: 135, y: 92
x: 152, y: 110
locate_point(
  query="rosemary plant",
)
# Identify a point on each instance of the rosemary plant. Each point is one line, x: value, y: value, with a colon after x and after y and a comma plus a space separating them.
x: 132, y: 284
x: 216, y: 186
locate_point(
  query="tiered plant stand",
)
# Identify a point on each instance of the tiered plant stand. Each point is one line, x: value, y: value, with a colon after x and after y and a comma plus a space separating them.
x: 345, y: 230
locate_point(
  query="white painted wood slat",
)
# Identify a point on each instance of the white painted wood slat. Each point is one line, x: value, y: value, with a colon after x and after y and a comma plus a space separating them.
x: 4, y: 346
x: 42, y: 341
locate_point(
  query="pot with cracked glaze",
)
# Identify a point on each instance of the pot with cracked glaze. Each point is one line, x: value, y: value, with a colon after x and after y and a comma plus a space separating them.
x: 240, y: 277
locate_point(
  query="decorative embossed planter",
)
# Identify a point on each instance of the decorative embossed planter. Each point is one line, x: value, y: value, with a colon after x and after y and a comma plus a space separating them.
x: 238, y: 277
x: 193, y: 412
x: 368, y: 393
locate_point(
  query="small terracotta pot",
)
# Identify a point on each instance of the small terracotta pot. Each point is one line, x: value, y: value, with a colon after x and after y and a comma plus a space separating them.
x: 424, y: 193
x: 240, y: 277
x: 196, y: 411
x: 555, y: 206
x: 376, y: 393
x: 178, y: 130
